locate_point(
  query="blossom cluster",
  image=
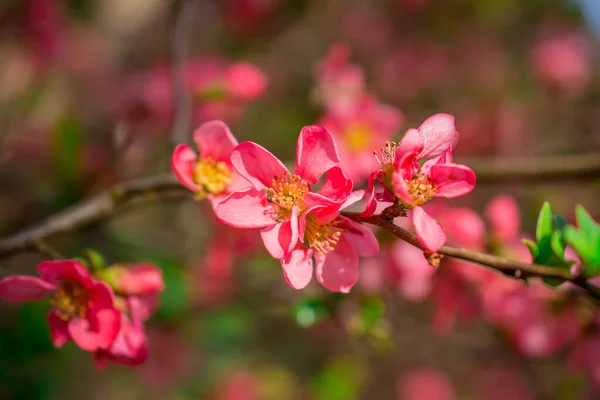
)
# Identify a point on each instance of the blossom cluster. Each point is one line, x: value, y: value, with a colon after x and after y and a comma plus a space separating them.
x: 303, y: 225
x: 102, y: 311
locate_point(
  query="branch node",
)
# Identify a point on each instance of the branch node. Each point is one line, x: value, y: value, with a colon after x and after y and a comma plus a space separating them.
x: 395, y: 210
x: 433, y: 259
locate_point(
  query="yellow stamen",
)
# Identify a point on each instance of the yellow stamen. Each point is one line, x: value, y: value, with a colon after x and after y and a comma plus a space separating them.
x: 213, y: 176
x: 71, y: 301
x: 322, y: 237
x: 388, y: 153
x: 285, y: 193
x: 421, y: 189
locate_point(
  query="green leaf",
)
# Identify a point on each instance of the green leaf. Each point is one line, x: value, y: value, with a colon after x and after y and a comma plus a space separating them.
x: 532, y: 246
x: 544, y: 223
x: 557, y: 243
x: 96, y: 260
x: 586, y: 224
x: 578, y: 242
x: 559, y: 222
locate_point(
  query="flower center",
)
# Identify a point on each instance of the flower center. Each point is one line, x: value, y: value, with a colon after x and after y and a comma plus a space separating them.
x: 213, y: 176
x: 421, y: 189
x: 71, y: 301
x: 322, y: 237
x: 357, y: 137
x: 285, y: 193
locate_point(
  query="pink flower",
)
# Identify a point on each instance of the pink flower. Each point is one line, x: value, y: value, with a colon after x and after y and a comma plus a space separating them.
x: 135, y: 280
x: 425, y: 383
x: 563, y: 60
x: 504, y: 217
x: 291, y: 214
x: 358, y: 128
x: 83, y: 308
x: 415, y: 185
x: 244, y: 81
x: 131, y: 344
x: 211, y: 174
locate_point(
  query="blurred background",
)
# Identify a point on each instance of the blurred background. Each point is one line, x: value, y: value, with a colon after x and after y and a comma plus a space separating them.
x: 87, y: 101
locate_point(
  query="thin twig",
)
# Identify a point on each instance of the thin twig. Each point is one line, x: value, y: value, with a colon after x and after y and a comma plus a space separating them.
x: 87, y: 212
x: 535, y: 169
x: 181, y: 95
x: 512, y: 268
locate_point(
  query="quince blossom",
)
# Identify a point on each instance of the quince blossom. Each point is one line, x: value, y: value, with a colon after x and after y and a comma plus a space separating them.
x: 290, y: 214
x: 415, y: 185
x: 82, y: 307
x: 209, y: 175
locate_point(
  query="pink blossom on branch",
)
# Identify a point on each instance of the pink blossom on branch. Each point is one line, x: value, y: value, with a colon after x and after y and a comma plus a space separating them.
x: 297, y: 223
x: 82, y: 307
x: 415, y: 185
x: 210, y: 174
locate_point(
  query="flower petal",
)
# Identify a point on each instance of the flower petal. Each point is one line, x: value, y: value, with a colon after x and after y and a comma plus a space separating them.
x: 430, y: 233
x: 64, y: 270
x: 183, y: 162
x: 215, y: 140
x: 58, y: 330
x: 97, y: 331
x: 257, y: 164
x: 298, y: 267
x: 452, y: 180
x: 337, y: 186
x: 280, y: 239
x: 401, y: 188
x: 338, y: 269
x: 315, y: 153
x: 438, y: 133
x: 20, y: 288
x: 412, y: 142
x: 245, y: 209
x: 360, y: 238
x: 371, y: 205
x: 101, y: 296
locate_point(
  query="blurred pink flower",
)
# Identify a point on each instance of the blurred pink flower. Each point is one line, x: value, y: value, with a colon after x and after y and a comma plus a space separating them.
x: 340, y: 83
x: 83, y: 308
x: 45, y: 22
x: 504, y: 218
x: 564, y: 61
x: 412, y: 273
x: 359, y: 128
x: 210, y: 174
x: 218, y: 90
x: 425, y: 383
x: 240, y: 385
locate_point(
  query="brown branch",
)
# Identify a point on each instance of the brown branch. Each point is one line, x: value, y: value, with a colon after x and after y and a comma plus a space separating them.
x: 535, y: 169
x: 512, y: 268
x: 87, y: 212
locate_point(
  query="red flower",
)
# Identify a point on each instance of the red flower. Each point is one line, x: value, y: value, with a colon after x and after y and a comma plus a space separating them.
x: 83, y: 308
